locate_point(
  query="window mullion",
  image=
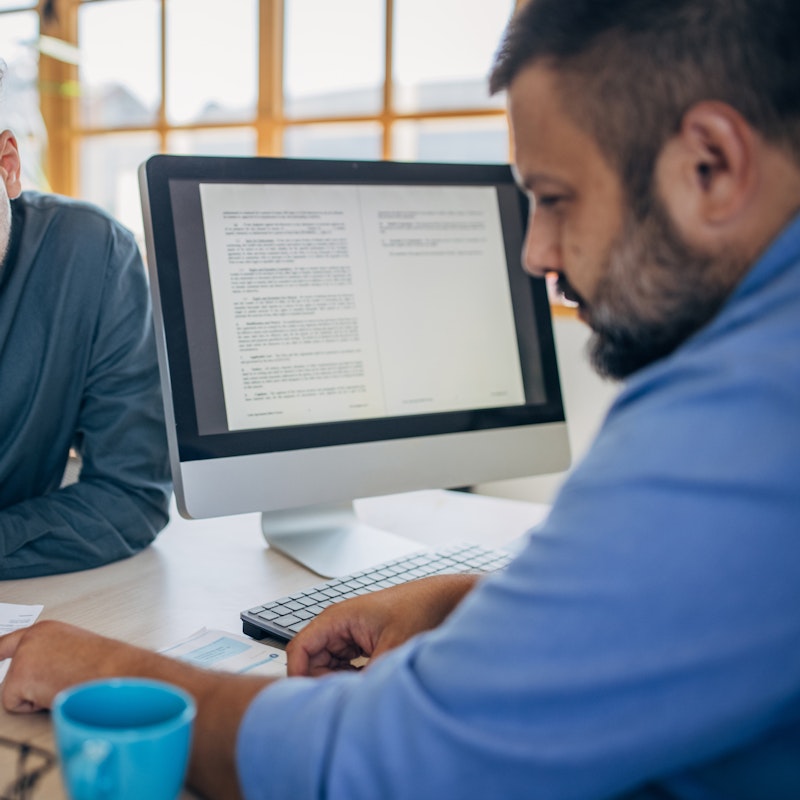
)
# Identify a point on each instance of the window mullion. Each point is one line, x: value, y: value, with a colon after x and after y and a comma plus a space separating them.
x: 387, y: 112
x: 270, y: 117
x: 161, y: 119
x: 59, y: 103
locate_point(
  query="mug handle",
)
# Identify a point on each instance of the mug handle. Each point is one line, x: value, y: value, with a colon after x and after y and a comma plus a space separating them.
x: 90, y: 771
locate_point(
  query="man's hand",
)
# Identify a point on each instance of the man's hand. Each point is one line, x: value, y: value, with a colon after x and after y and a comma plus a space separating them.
x: 50, y: 656
x: 369, y: 625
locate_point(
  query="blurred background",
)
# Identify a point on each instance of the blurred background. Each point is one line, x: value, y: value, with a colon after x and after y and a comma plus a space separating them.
x: 94, y: 87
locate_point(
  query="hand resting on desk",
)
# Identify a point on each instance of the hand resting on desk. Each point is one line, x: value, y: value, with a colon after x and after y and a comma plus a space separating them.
x: 50, y: 656
x: 371, y: 624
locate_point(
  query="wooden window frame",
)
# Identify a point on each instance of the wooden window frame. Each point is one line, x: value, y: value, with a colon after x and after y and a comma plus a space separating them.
x: 60, y: 109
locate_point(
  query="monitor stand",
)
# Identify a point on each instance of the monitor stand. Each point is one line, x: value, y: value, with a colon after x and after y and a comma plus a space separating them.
x: 330, y: 541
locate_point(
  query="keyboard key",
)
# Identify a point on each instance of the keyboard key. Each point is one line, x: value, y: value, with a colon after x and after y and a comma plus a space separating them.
x: 288, y: 620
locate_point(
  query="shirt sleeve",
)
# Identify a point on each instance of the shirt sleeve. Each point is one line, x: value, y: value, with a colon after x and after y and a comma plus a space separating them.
x: 121, y: 499
x: 648, y: 628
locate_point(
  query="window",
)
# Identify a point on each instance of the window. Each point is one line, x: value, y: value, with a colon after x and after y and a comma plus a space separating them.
x: 19, y: 102
x: 362, y: 79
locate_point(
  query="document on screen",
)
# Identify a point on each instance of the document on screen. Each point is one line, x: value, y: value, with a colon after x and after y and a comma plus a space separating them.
x: 336, y: 302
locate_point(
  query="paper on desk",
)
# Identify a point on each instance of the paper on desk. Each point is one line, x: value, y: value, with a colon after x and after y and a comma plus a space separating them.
x: 12, y: 618
x: 230, y: 652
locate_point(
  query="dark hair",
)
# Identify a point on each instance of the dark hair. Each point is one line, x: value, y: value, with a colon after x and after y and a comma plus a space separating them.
x: 630, y: 69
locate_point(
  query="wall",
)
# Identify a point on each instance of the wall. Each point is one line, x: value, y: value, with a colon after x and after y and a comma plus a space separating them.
x: 586, y: 400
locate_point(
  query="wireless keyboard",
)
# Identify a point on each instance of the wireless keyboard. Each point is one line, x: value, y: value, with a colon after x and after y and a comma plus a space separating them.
x: 285, y: 617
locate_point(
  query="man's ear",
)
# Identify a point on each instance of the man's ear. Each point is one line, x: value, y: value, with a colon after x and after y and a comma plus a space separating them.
x: 707, y: 173
x: 10, y: 164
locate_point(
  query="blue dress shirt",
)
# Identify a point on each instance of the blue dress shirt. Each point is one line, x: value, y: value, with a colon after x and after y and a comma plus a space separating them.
x: 645, y: 643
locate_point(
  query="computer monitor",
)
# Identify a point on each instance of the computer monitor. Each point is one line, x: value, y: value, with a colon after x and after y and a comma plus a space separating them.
x: 331, y: 330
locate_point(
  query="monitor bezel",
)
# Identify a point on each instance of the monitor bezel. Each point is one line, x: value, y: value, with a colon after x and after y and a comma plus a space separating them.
x: 159, y: 171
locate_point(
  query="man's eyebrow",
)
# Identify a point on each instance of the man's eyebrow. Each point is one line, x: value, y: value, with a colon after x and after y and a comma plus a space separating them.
x: 529, y: 181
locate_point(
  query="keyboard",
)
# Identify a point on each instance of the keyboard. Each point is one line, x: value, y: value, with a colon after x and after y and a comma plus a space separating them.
x: 285, y: 617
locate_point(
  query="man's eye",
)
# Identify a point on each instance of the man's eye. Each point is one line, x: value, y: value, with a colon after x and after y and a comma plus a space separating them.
x: 548, y: 200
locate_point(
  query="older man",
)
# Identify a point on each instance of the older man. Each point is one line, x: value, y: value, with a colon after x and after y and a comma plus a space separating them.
x: 646, y: 643
x: 79, y: 370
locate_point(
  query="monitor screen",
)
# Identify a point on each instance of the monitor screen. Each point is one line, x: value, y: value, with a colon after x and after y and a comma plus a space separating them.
x: 330, y: 330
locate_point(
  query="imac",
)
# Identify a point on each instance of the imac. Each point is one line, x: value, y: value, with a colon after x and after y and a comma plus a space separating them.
x: 330, y: 330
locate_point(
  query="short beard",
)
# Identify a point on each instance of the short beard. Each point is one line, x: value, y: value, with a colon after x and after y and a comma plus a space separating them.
x: 655, y: 292
x: 5, y: 225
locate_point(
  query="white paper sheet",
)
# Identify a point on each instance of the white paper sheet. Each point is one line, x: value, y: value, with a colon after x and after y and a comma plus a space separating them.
x: 229, y: 652
x: 12, y: 618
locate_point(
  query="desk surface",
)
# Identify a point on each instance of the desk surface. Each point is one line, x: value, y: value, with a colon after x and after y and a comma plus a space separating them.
x: 202, y: 573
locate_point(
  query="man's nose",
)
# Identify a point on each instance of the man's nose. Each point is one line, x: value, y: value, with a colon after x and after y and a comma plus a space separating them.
x: 541, y: 252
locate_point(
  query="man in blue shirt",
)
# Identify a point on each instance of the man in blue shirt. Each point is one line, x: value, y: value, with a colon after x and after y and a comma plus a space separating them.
x: 646, y: 642
x: 79, y: 370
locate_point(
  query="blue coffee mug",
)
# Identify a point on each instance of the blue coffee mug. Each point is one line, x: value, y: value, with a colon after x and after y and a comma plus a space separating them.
x: 123, y: 739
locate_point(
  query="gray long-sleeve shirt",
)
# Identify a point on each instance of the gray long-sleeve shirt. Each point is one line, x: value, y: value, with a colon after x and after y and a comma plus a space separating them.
x: 77, y: 369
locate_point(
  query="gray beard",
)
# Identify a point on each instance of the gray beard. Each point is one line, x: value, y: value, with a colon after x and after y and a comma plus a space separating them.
x: 5, y: 226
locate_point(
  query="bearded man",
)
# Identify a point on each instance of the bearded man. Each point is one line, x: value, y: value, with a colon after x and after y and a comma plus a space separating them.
x: 646, y: 642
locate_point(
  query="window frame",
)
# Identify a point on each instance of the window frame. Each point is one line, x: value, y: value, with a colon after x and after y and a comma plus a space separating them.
x: 60, y: 109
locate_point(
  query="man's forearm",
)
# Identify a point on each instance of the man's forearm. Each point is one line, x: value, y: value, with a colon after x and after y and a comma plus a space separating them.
x: 81, y: 526
x: 221, y: 703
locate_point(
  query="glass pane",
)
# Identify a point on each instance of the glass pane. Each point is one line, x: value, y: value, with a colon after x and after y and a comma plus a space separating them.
x: 19, y: 99
x: 120, y: 55
x: 109, y: 178
x: 333, y: 59
x: 227, y: 142
x: 466, y: 140
x: 354, y: 141
x: 212, y: 60
x: 443, y: 52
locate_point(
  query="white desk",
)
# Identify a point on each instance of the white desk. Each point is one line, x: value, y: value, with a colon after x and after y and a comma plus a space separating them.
x: 204, y: 572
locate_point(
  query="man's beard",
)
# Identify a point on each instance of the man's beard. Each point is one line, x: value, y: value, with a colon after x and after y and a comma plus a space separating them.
x: 5, y: 224
x: 655, y: 291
